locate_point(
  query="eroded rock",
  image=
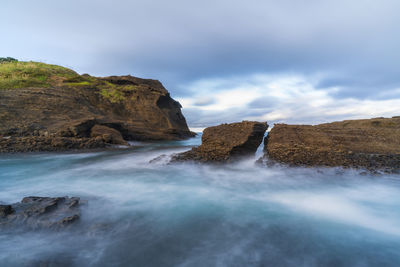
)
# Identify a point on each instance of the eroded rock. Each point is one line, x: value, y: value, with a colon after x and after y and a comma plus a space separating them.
x: 108, y: 135
x: 226, y: 142
x: 41, y: 212
x: 60, y: 115
x: 371, y: 144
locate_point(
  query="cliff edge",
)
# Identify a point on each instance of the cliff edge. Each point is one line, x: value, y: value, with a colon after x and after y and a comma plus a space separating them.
x: 47, y: 108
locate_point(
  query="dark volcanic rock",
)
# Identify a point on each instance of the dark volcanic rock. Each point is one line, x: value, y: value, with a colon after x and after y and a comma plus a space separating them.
x: 226, y: 142
x: 371, y: 144
x: 60, y: 114
x: 41, y: 212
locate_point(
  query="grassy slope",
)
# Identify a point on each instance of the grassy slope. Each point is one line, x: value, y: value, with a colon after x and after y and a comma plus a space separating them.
x: 30, y: 74
x: 19, y: 74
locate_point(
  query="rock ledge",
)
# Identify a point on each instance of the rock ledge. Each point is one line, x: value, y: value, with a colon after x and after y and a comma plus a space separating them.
x: 371, y: 144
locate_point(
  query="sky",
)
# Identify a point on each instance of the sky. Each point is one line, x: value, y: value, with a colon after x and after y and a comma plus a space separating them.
x: 298, y: 61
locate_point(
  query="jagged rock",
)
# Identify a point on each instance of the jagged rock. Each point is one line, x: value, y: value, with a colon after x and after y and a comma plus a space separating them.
x: 59, y: 112
x: 370, y: 144
x: 226, y: 142
x: 41, y: 212
x: 108, y: 135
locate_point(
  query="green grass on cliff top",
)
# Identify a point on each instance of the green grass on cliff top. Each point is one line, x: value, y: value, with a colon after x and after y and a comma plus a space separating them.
x: 19, y: 74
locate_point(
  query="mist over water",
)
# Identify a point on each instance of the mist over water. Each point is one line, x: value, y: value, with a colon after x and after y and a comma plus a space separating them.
x: 142, y: 214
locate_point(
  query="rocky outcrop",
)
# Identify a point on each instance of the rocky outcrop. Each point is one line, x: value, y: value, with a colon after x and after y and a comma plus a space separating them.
x: 226, y: 142
x: 41, y: 212
x: 60, y: 113
x: 108, y: 135
x: 371, y: 144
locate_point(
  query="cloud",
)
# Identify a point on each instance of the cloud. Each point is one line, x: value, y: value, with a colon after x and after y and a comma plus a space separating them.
x: 203, y: 101
x: 178, y: 41
x: 344, y: 52
x: 278, y: 98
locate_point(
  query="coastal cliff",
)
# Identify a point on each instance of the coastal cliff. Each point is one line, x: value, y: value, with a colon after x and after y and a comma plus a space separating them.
x: 370, y: 143
x: 48, y: 108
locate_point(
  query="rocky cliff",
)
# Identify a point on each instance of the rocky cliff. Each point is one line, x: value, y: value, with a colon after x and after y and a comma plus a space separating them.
x: 226, y: 142
x: 46, y: 107
x: 371, y: 143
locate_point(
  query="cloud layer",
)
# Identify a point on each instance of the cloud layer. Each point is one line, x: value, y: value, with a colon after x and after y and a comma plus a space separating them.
x: 278, y: 98
x: 346, y: 51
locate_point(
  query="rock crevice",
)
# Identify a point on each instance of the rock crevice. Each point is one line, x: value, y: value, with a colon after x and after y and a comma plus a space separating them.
x: 226, y: 142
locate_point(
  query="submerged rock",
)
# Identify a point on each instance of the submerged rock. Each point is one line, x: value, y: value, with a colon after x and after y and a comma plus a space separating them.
x: 226, y: 142
x: 371, y: 144
x: 59, y: 111
x: 41, y: 212
x: 6, y: 210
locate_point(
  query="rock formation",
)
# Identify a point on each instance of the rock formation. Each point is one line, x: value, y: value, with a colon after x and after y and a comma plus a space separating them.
x: 46, y: 107
x: 371, y: 144
x: 108, y: 135
x: 41, y: 212
x: 226, y: 142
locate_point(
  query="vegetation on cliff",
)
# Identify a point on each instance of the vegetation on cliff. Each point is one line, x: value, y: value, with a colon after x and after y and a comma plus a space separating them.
x: 19, y: 74
x: 7, y: 59
x: 47, y: 107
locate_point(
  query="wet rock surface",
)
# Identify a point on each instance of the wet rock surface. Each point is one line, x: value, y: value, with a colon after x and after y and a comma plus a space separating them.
x: 226, y: 142
x: 372, y: 144
x: 41, y: 212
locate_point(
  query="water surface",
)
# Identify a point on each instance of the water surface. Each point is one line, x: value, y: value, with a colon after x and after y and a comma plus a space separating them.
x: 142, y: 214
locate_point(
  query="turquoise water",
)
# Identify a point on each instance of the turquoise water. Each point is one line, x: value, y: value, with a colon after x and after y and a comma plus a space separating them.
x: 142, y: 214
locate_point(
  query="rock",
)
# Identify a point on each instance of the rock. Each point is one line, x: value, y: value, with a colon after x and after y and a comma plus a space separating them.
x: 5, y: 210
x: 64, y: 109
x: 370, y: 144
x: 108, y: 135
x: 41, y: 212
x: 226, y: 142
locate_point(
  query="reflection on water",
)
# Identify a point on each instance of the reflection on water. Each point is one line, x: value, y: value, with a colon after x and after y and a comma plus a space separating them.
x: 142, y: 214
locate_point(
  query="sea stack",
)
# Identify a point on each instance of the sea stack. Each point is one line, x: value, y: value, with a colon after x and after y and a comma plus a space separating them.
x: 226, y: 142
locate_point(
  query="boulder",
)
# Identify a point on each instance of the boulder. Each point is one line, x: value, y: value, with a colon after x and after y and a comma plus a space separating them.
x: 369, y: 143
x: 108, y: 135
x: 226, y: 142
x: 41, y: 212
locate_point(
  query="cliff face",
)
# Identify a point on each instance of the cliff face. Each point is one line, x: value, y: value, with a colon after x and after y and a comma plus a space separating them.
x: 59, y: 111
x: 371, y: 144
x: 226, y: 142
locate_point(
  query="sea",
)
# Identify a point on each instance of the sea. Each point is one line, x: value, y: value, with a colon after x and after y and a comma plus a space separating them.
x: 140, y: 212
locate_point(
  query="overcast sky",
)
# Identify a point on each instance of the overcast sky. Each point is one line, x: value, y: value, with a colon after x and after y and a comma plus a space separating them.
x: 298, y: 61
